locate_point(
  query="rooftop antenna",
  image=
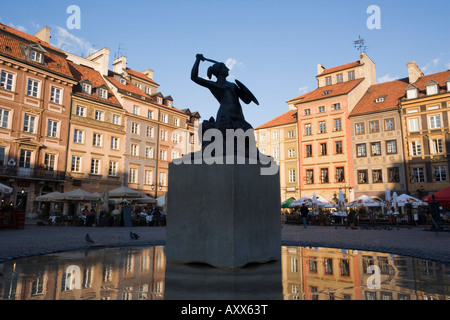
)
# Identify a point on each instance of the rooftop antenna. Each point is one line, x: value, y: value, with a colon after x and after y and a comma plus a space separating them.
x: 119, y: 51
x: 360, y: 44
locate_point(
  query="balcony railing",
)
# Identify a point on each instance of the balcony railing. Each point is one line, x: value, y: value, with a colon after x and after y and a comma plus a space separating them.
x: 32, y: 173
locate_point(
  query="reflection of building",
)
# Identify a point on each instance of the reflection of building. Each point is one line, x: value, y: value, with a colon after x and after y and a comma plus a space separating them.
x: 35, y: 95
x: 377, y: 145
x: 133, y: 274
x: 324, y: 130
x: 278, y: 138
x: 426, y: 127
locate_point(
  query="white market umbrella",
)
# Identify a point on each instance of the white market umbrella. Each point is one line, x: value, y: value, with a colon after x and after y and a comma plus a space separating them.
x: 161, y: 201
x: 403, y: 199
x: 308, y: 201
x: 5, y: 189
x: 395, y: 202
x: 105, y: 206
x: 80, y: 195
x: 364, y: 201
x: 125, y: 192
x: 49, y: 197
x: 341, y: 205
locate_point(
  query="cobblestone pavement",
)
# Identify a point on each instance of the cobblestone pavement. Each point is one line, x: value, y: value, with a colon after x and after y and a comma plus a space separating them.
x: 416, y: 242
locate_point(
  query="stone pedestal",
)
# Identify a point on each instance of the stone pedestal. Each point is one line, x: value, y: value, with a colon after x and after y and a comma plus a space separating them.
x: 224, y: 215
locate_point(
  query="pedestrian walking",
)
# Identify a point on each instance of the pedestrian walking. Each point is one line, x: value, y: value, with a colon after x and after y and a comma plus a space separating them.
x: 304, y: 212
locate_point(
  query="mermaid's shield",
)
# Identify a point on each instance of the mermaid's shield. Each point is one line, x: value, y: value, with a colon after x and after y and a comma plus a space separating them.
x: 245, y: 94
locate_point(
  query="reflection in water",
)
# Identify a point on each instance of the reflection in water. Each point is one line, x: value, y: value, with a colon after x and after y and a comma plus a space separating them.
x: 141, y: 273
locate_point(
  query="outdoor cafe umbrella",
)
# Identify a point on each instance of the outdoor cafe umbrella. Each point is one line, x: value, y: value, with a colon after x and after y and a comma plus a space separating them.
x: 49, y: 197
x: 125, y: 192
x: 286, y: 203
x: 395, y: 202
x: 341, y: 205
x: 364, y: 201
x: 403, y: 199
x: 308, y: 201
x: 5, y: 189
x: 80, y: 195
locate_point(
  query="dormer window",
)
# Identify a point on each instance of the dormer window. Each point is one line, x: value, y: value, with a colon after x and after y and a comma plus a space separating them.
x: 169, y: 104
x: 123, y: 81
x: 379, y: 99
x: 411, y: 92
x: 448, y: 84
x: 327, y: 92
x: 432, y: 87
x: 103, y: 93
x: 36, y: 56
x: 86, y: 88
x: 159, y: 100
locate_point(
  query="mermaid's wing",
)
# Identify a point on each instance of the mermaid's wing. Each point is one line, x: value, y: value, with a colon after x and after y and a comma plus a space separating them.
x: 245, y: 94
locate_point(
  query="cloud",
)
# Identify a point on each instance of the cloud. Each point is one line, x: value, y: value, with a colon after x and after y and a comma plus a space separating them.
x: 231, y: 63
x: 70, y: 43
x: 20, y: 28
x: 303, y: 89
x: 387, y: 78
x: 431, y: 65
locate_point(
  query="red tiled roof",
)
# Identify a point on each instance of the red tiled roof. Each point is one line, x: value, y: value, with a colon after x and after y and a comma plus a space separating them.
x: 285, y: 118
x: 339, y: 68
x: 336, y: 90
x: 391, y: 92
x: 139, y: 75
x: 440, y: 77
x: 85, y: 73
x: 11, y: 40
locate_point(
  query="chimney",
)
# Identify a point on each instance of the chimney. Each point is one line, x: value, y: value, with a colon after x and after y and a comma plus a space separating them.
x: 101, y: 57
x: 320, y: 69
x: 44, y: 34
x: 414, y: 72
x: 148, y: 73
x: 120, y: 64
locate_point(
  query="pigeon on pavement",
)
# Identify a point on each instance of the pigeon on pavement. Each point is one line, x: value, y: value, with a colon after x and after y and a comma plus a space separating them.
x: 88, y: 238
x: 133, y: 236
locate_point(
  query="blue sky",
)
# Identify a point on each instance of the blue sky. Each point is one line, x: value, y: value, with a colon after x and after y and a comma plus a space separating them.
x: 273, y: 47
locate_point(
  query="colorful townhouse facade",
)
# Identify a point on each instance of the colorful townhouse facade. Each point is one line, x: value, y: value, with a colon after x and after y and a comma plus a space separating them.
x: 324, y: 130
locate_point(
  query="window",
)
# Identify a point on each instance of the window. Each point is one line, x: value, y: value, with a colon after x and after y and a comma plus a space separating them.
x: 362, y: 177
x: 328, y: 265
x: 433, y: 89
x: 95, y: 166
x: 415, y: 148
x: 114, y: 143
x: 28, y: 123
x: 103, y: 93
x: 340, y: 174
x: 99, y: 116
x: 4, y: 116
x: 136, y: 110
x: 361, y: 150
x: 164, y: 118
x: 291, y: 175
x: 328, y: 81
x: 337, y: 125
x: 336, y: 106
x: 148, y: 91
x: 150, y: 114
x: 411, y: 93
x: 113, y: 168
x: 418, y: 174
x: 376, y: 148
x: 163, y: 135
x: 414, y: 124
x: 55, y: 95
x: 163, y: 155
x: 435, y: 122
x: 33, y: 88
x: 133, y: 176
x: 52, y: 128
x: 76, y: 164
x: 377, y: 176
x: 36, y: 56
x: 308, y: 150
x: 393, y: 174
x: 149, y: 132
x: 359, y: 128
x: 374, y: 126
x: 339, y: 78
x: 134, y: 128
x: 2, y: 156
x: 123, y: 81
x: 176, y: 122
x: 86, y: 88
x: 175, y: 137
x: 307, y: 112
x: 275, y: 135
x: 80, y: 111
x: 138, y: 85
x: 276, y: 153
x: 322, y: 127
x: 116, y: 119
x: 309, y: 176
x: 323, y: 149
x: 389, y: 124
x: 324, y: 175
x: 391, y: 147
x: 440, y: 173
x: 291, y: 134
x: 6, y: 80
x: 320, y: 109
x: 345, y: 267
x: 159, y: 100
x: 148, y: 177
x: 313, y: 264
x: 97, y: 140
x: 294, y: 264
x: 149, y: 152
x: 78, y: 136
x: 351, y: 75
x: 134, y: 150
x: 162, y: 178
x: 436, y: 146
x: 338, y: 147
x: 25, y: 159
x: 308, y: 130
x: 291, y: 153
x: 49, y: 162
